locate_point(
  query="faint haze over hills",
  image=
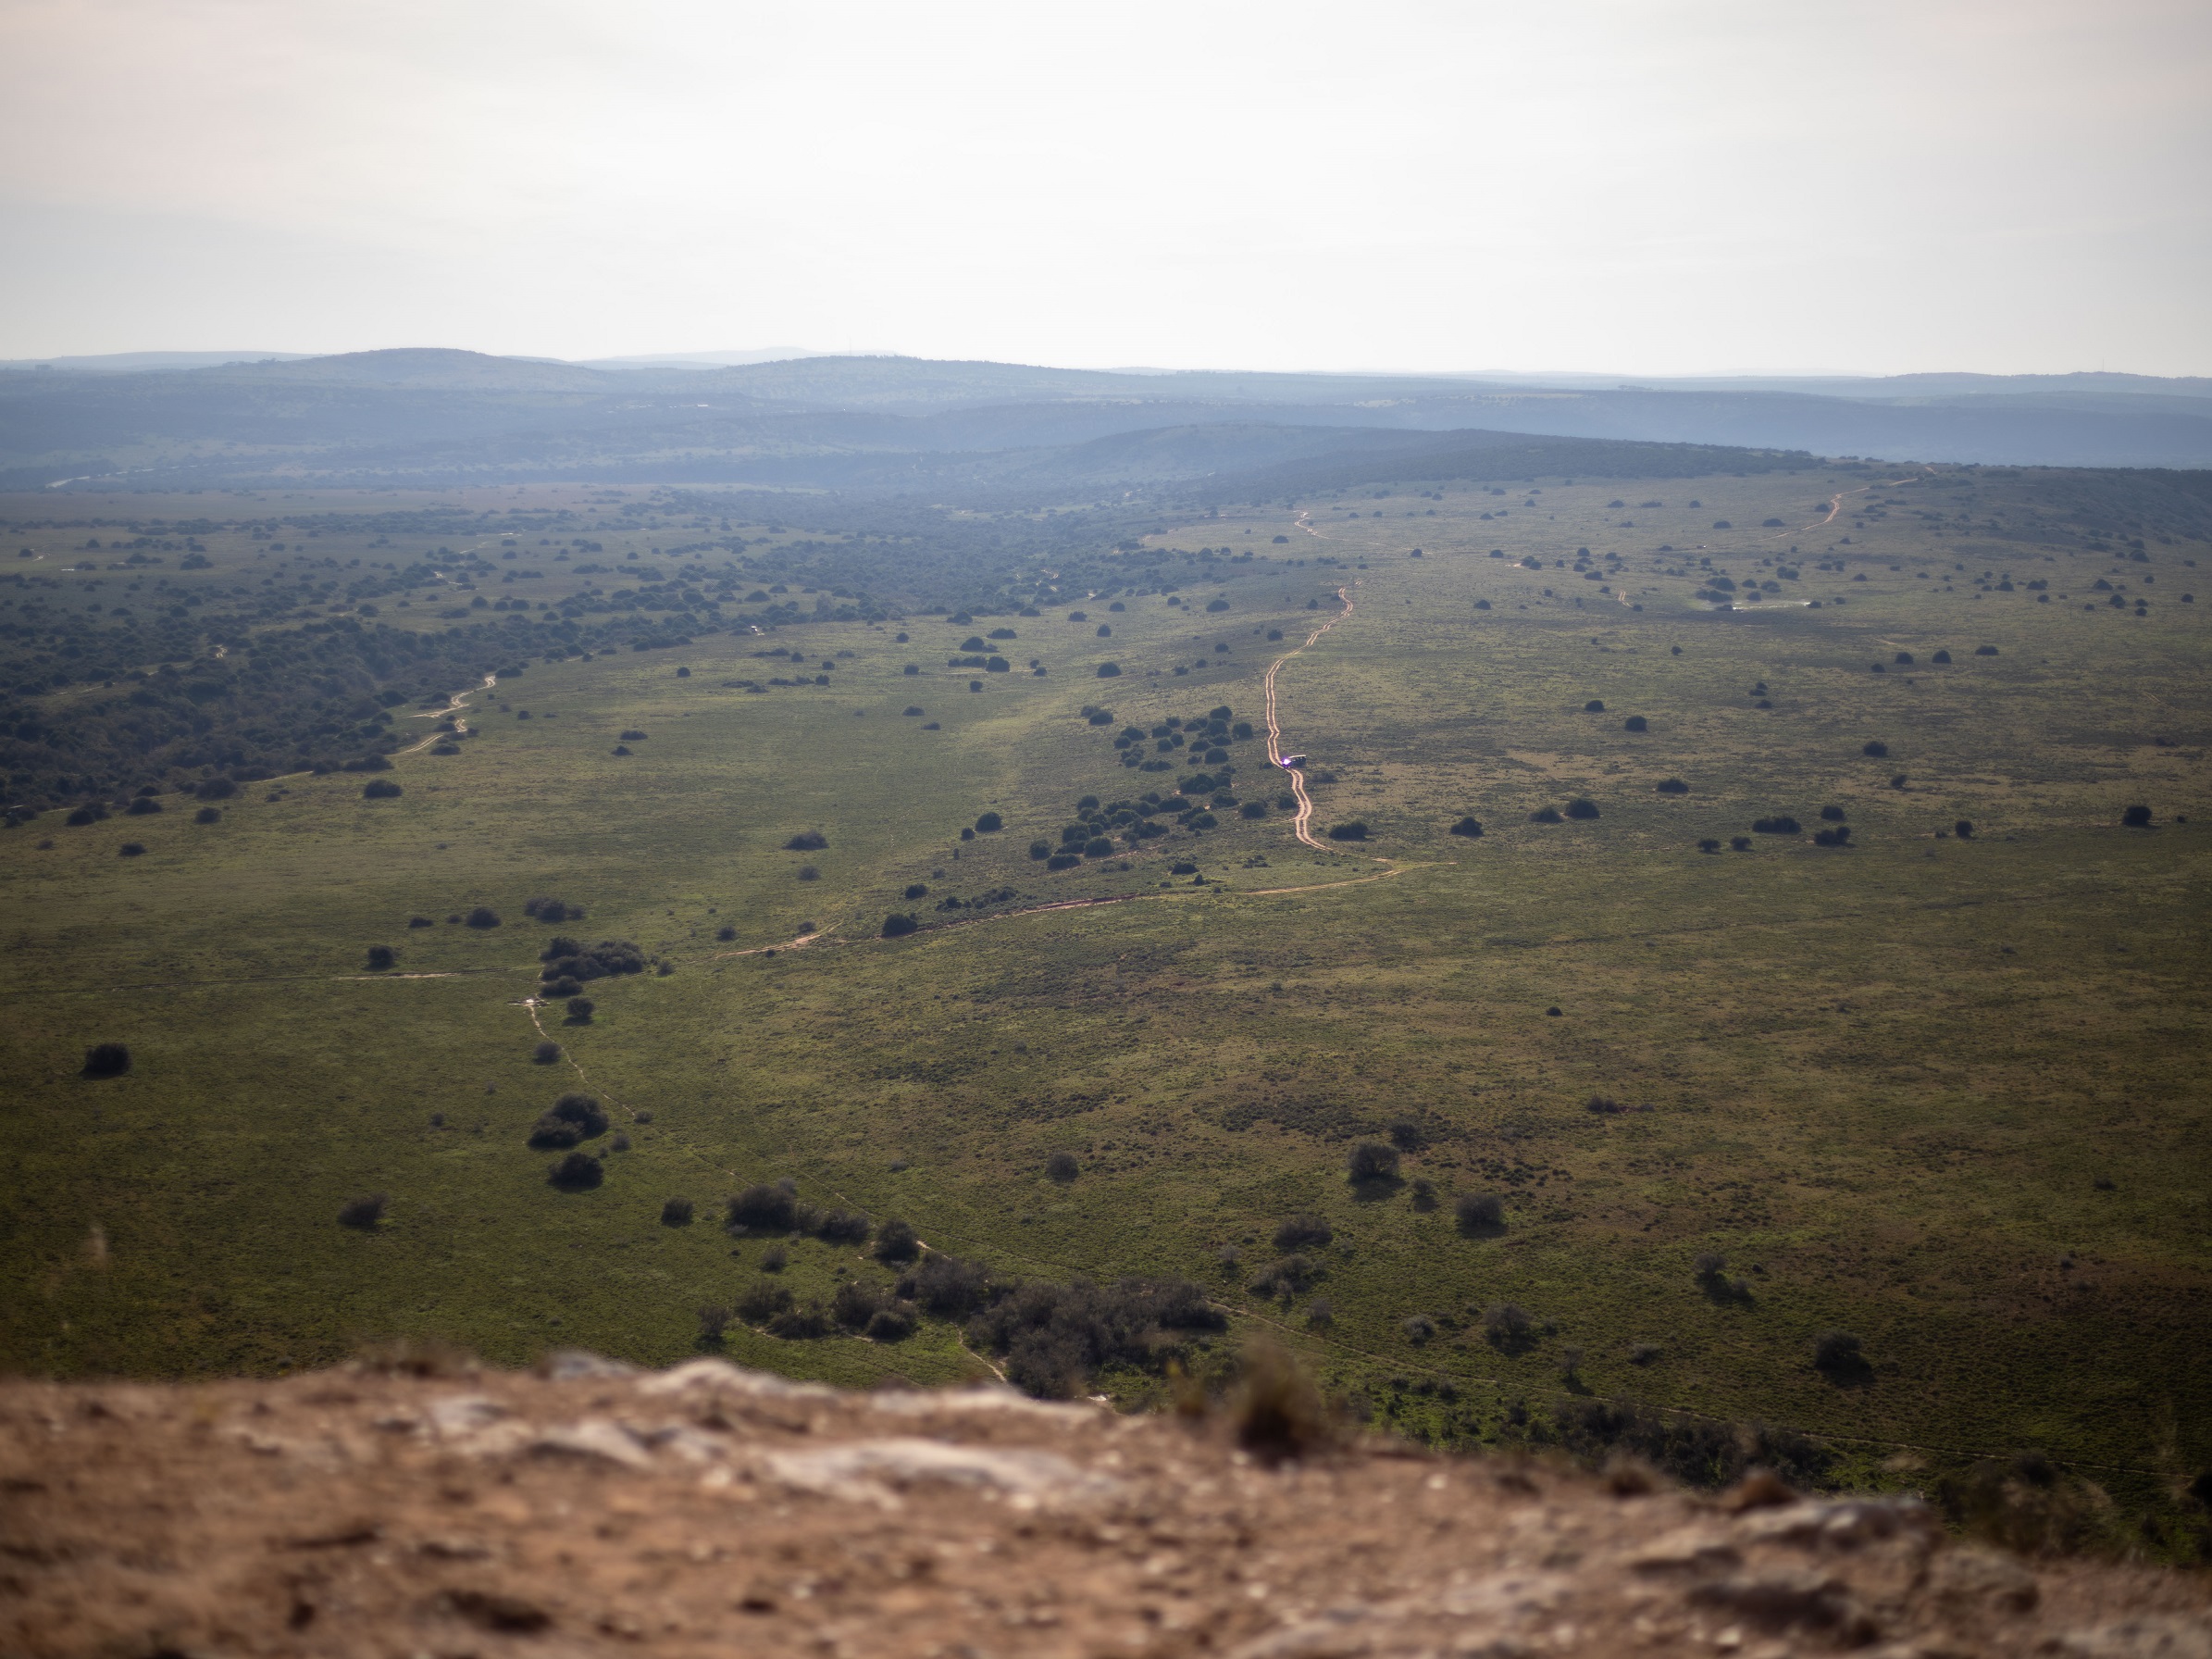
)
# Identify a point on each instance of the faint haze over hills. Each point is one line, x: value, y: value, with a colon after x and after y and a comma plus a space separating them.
x: 436, y: 417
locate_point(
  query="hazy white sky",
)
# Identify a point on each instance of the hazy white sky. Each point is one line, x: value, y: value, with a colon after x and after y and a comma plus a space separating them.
x: 1647, y: 186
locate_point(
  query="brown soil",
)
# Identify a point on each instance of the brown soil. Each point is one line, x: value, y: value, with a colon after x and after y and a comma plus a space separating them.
x: 714, y: 1510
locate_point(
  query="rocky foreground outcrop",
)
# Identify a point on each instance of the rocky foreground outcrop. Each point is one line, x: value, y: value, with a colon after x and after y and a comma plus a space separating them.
x: 710, y: 1510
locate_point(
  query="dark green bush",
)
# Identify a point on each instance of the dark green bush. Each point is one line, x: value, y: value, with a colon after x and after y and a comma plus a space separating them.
x: 577, y: 1172
x: 1373, y: 1161
x: 895, y: 1241
x: 363, y: 1213
x: 764, y: 1209
x: 571, y: 1118
x: 762, y: 1302
x: 1479, y: 1213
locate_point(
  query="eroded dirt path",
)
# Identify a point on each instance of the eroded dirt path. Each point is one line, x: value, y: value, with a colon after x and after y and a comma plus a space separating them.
x: 1302, y: 824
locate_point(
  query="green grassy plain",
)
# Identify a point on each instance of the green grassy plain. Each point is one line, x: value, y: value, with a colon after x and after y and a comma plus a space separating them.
x: 1949, y: 1094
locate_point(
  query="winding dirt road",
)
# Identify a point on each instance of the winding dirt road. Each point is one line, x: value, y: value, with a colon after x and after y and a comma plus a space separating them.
x: 459, y: 702
x: 1303, y: 823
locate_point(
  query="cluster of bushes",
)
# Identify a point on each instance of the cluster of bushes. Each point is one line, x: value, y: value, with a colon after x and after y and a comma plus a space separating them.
x: 570, y: 964
x: 1056, y: 1339
x: 776, y: 1208
x: 1204, y: 737
x: 569, y: 1120
x: 1581, y: 808
x: 1092, y: 832
x: 1695, y: 1450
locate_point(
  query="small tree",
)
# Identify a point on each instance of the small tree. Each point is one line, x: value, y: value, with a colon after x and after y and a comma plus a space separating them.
x: 379, y: 789
x: 990, y: 823
x: 2136, y: 817
x: 580, y: 1009
x: 1635, y: 723
x: 1581, y: 808
x: 714, y: 1319
x: 896, y: 925
x: 676, y: 1212
x: 1061, y: 1167
x: 1355, y: 830
x: 897, y: 1241
x: 482, y: 917
x: 1709, y: 1264
x: 1469, y: 827
x: 380, y: 956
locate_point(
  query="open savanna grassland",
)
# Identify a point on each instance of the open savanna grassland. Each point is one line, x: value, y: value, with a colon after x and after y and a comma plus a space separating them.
x: 1946, y: 1094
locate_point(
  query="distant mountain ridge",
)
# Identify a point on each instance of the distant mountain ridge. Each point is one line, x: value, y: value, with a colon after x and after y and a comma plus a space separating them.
x: 432, y: 416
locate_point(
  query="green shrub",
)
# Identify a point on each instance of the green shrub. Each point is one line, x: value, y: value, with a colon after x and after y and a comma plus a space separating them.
x: 1371, y: 1161
x: 765, y: 1207
x: 577, y: 1172
x: 1479, y: 1213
